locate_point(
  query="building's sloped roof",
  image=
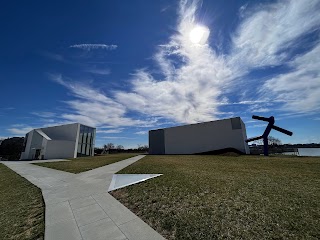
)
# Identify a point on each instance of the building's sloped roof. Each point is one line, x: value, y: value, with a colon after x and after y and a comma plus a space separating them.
x: 42, y: 134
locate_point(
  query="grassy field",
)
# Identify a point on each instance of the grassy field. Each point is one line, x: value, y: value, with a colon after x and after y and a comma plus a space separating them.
x: 220, y: 197
x: 82, y: 164
x: 21, y: 207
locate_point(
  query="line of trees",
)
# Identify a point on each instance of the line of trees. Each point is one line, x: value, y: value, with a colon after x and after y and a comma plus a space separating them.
x: 112, y: 148
x: 272, y: 141
x: 11, y: 148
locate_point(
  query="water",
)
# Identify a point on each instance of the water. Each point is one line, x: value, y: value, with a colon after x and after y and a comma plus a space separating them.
x: 306, y: 152
x: 309, y: 151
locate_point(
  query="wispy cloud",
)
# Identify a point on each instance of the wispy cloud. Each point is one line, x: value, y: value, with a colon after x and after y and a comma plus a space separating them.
x: 141, y: 132
x: 20, y: 131
x: 300, y: 87
x: 115, y: 137
x: 119, y: 130
x: 90, y: 46
x: 97, y: 71
x: 44, y: 114
x: 191, y: 88
x: 268, y: 36
x: 200, y: 82
x: 257, y: 125
x: 92, y: 107
x: 54, y: 56
x: 196, y: 82
x: 269, y: 30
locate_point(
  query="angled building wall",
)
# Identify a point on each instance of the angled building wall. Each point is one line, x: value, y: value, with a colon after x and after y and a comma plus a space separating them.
x: 199, y: 138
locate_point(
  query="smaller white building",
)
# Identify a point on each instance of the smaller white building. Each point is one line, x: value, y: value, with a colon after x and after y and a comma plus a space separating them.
x: 200, y: 138
x: 64, y: 141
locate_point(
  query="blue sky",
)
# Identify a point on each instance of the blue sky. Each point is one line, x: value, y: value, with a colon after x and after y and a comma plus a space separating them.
x: 126, y: 67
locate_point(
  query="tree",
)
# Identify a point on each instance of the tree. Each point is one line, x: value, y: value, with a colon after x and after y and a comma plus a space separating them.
x: 11, y: 148
x: 107, y: 147
x: 272, y: 141
x: 119, y: 147
x: 143, y: 147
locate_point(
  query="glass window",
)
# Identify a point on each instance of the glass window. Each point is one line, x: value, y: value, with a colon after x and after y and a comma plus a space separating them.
x: 89, y: 138
x: 88, y: 149
x: 83, y: 150
x: 80, y: 137
x: 85, y: 138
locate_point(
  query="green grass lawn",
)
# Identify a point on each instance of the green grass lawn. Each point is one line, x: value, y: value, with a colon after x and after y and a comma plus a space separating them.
x: 220, y: 197
x: 21, y: 207
x: 82, y: 164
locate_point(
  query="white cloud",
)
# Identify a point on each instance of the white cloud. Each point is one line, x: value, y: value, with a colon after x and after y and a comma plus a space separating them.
x: 300, y: 88
x: 4, y: 137
x: 189, y: 91
x: 262, y: 125
x: 264, y: 37
x: 194, y: 88
x: 141, y: 132
x: 90, y: 47
x: 196, y: 82
x: 97, y: 71
x: 119, y: 130
x: 54, y: 56
x: 114, y: 137
x: 93, y: 108
x: 44, y: 114
x: 20, y: 131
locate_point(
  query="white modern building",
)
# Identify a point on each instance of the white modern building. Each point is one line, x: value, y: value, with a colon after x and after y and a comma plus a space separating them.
x: 64, y: 141
x: 200, y: 138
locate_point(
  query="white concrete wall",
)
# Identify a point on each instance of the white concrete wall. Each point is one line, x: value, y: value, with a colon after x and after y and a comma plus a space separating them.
x: 244, y: 134
x: 35, y: 141
x: 204, y: 137
x: 65, y: 132
x: 76, y: 143
x: 25, y: 154
x: 59, y: 149
x: 63, y: 144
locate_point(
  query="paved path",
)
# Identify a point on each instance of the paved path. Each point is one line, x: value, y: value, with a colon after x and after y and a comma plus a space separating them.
x: 78, y: 206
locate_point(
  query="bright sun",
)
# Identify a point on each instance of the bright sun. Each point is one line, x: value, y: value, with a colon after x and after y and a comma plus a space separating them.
x: 199, y: 35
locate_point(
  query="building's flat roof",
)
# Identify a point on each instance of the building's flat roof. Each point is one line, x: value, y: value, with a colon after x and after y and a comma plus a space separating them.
x: 60, y: 126
x: 196, y: 123
x: 65, y: 125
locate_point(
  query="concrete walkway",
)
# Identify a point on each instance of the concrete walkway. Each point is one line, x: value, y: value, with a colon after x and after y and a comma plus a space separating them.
x: 78, y: 206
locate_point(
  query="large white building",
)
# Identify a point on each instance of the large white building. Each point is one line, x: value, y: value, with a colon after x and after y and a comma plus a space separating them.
x: 64, y: 141
x: 207, y: 137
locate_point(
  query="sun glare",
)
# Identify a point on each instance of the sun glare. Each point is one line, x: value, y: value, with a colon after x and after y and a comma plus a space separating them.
x: 199, y: 35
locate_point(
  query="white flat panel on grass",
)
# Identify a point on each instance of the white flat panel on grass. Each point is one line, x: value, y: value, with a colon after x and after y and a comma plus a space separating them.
x: 123, y: 180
